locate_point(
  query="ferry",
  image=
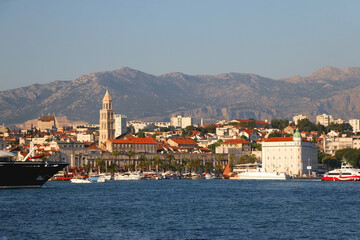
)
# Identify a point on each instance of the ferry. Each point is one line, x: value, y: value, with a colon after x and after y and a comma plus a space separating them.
x: 346, y: 173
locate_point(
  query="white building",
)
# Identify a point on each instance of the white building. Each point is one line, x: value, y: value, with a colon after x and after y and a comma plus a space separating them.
x: 333, y: 143
x: 297, y: 118
x: 292, y: 155
x: 181, y: 122
x: 324, y: 119
x: 120, y: 124
x: 355, y: 123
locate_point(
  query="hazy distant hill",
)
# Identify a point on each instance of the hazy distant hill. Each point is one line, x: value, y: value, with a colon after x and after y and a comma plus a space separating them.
x: 224, y: 96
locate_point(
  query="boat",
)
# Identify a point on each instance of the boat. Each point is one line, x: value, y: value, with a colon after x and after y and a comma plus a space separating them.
x: 127, y: 176
x: 80, y: 180
x: 346, y: 173
x: 255, y: 172
x: 27, y: 173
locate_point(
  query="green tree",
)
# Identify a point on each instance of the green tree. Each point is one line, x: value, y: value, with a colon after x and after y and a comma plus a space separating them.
x: 129, y: 154
x: 87, y: 168
x: 213, y: 146
x: 100, y: 164
x: 246, y: 159
x: 351, y: 155
x: 306, y: 125
x: 279, y: 124
x: 331, y: 162
x: 208, y: 167
x: 275, y: 134
x: 112, y: 168
x: 157, y: 162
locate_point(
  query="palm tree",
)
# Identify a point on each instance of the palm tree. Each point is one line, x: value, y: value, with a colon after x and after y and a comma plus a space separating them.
x: 130, y: 154
x: 100, y: 163
x: 208, y: 167
x: 112, y: 168
x: 157, y: 162
x: 196, y: 164
x: 87, y: 168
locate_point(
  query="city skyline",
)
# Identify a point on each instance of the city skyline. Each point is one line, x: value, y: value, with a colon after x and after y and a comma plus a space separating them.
x: 47, y: 41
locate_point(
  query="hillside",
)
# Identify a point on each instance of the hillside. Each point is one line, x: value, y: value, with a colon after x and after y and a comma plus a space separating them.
x: 224, y: 96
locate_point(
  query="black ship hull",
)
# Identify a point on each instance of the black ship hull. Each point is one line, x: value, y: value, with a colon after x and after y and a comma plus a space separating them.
x: 15, y: 174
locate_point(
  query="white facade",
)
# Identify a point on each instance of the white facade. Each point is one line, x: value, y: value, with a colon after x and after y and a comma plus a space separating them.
x: 332, y: 144
x: 120, y: 124
x: 290, y: 155
x: 85, y: 137
x: 297, y: 118
x: 355, y: 123
x: 324, y: 119
x: 181, y: 122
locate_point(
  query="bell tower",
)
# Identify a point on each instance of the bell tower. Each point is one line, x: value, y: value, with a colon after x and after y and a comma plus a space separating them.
x: 107, y: 129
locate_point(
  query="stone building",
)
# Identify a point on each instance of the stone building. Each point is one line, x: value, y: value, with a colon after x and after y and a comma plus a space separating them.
x: 292, y: 155
x: 107, y: 121
x: 47, y: 123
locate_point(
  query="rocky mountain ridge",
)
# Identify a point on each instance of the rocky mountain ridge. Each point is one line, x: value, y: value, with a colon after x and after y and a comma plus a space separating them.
x: 224, y: 96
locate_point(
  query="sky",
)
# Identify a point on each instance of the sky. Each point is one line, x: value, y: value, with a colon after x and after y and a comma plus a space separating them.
x: 46, y: 40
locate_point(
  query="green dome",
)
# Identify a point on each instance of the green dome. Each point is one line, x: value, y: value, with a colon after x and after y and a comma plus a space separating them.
x: 297, y: 134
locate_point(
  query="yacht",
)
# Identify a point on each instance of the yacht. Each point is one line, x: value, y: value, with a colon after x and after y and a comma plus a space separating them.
x: 26, y: 173
x: 80, y: 180
x: 127, y: 176
x: 255, y: 172
x: 346, y: 173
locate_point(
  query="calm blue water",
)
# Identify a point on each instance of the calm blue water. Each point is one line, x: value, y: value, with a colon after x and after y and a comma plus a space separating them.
x: 183, y: 209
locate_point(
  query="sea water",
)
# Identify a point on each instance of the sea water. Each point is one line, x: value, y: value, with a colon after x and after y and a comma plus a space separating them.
x: 183, y: 209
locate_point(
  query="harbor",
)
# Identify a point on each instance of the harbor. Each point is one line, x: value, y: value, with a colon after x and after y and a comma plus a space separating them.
x: 181, y: 209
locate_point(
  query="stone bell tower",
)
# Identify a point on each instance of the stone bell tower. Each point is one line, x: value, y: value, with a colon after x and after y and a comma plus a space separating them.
x: 107, y: 129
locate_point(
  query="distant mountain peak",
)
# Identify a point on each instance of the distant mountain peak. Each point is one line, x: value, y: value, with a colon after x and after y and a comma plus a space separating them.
x: 333, y: 73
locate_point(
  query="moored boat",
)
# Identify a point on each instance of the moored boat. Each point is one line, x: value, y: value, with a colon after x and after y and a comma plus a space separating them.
x: 26, y: 173
x: 80, y: 180
x: 255, y: 172
x: 346, y: 173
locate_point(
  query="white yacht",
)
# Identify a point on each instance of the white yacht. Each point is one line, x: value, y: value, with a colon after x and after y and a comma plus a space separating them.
x: 255, y: 172
x: 127, y: 176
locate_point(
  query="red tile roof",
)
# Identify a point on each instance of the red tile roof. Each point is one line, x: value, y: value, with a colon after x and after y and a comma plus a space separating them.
x: 134, y: 141
x: 236, y: 141
x: 184, y: 141
x: 283, y: 139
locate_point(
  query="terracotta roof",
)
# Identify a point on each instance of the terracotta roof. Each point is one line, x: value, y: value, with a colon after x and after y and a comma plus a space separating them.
x: 184, y: 141
x: 134, y: 141
x: 235, y: 141
x: 283, y: 139
x: 257, y: 122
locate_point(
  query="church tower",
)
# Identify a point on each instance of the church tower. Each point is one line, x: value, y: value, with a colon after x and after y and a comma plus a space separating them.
x: 107, y: 129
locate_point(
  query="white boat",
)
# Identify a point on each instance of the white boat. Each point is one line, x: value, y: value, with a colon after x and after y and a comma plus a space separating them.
x: 127, y: 176
x: 346, y: 173
x: 255, y: 172
x: 80, y: 180
x: 106, y: 176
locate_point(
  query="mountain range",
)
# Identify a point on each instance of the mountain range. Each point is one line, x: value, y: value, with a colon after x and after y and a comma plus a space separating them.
x: 213, y: 97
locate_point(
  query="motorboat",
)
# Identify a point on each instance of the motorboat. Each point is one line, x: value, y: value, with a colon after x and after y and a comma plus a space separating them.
x: 127, y: 176
x: 255, y: 172
x: 80, y: 180
x: 346, y: 173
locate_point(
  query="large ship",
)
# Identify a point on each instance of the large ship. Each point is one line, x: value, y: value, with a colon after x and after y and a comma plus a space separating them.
x: 346, y: 173
x: 255, y: 172
x: 28, y: 173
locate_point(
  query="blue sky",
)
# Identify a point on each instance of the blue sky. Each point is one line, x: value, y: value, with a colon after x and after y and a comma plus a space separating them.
x: 43, y: 41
